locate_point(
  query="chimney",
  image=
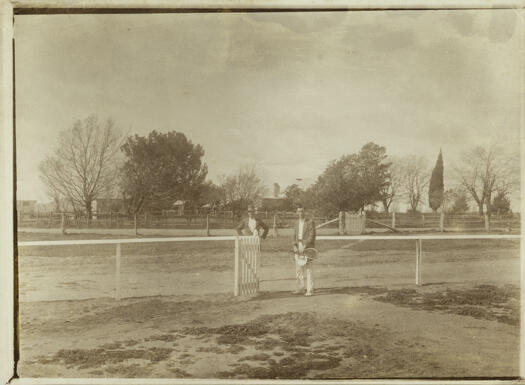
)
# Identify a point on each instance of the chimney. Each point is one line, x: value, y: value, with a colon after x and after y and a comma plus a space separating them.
x: 276, y: 190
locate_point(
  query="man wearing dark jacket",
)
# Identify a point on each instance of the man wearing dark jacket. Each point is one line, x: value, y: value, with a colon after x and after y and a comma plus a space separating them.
x: 253, y: 225
x: 303, y: 238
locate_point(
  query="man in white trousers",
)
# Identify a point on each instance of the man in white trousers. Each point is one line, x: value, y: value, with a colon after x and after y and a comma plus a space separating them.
x: 303, y: 238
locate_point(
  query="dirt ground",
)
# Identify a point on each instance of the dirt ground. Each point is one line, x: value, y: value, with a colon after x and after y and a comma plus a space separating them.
x: 178, y: 317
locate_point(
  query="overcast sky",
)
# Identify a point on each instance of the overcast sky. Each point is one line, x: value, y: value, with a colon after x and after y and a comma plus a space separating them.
x: 286, y: 91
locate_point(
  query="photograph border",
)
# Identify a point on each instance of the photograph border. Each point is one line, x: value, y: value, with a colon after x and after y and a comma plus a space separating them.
x: 8, y: 243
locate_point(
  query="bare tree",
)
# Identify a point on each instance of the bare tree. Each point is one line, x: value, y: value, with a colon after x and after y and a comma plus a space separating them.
x: 484, y: 170
x: 83, y: 166
x: 414, y: 179
x: 243, y: 188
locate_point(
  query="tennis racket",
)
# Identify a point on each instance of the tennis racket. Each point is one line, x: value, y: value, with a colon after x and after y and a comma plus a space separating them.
x: 309, y: 254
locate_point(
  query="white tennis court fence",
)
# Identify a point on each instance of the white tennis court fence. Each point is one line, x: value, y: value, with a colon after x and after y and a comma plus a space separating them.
x: 247, y: 252
x: 247, y: 256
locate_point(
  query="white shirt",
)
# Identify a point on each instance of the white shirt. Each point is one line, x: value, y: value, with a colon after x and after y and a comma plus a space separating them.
x: 300, y: 230
x: 252, y: 225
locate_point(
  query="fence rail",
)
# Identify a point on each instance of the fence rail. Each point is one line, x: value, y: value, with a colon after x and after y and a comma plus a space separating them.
x: 278, y: 220
x: 246, y: 279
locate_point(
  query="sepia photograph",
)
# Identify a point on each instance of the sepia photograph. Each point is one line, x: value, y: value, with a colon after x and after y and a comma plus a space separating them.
x: 268, y: 194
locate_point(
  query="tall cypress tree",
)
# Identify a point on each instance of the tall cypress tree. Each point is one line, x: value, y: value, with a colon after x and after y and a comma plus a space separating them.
x: 436, y: 187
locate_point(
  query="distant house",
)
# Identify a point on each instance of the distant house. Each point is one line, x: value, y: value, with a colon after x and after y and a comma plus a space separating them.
x: 273, y: 204
x: 178, y: 206
x: 45, y: 208
x: 25, y: 207
x: 106, y: 205
x: 276, y: 202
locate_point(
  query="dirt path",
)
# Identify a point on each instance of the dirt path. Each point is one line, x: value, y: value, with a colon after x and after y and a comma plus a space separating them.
x: 330, y: 335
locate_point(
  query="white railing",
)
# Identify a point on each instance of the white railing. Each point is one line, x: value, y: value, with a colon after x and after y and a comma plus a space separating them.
x: 118, y: 242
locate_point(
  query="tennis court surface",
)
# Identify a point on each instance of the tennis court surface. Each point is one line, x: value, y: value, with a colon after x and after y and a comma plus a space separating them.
x: 177, y: 316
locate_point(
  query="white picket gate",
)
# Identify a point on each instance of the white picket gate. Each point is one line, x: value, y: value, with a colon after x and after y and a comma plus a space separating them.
x: 247, y: 259
x: 355, y: 224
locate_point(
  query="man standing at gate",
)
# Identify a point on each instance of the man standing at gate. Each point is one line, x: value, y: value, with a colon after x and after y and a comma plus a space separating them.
x: 303, y: 238
x: 253, y: 225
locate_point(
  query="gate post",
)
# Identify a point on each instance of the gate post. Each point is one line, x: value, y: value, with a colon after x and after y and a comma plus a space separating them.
x: 63, y: 223
x: 394, y: 219
x: 236, y: 268
x: 117, y: 273
x: 419, y: 260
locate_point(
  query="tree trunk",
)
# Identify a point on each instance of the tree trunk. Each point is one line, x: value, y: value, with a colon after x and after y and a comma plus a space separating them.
x: 489, y: 205
x: 89, y: 211
x: 480, y: 208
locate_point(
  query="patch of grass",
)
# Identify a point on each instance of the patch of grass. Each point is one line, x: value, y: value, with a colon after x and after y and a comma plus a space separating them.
x: 92, y: 358
x: 128, y: 371
x: 210, y: 349
x: 487, y: 302
x: 111, y: 346
x: 130, y: 342
x: 286, y: 368
x: 163, y: 337
x: 256, y: 357
x: 179, y: 372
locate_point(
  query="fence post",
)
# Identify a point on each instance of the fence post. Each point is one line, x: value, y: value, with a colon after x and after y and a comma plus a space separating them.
x: 207, y: 225
x: 487, y: 223
x: 63, y: 224
x: 236, y: 268
x: 393, y: 219
x: 118, y: 215
x: 275, y: 233
x: 117, y: 273
x: 341, y: 223
x: 441, y: 221
x: 419, y: 260
x: 135, y: 224
x: 423, y: 219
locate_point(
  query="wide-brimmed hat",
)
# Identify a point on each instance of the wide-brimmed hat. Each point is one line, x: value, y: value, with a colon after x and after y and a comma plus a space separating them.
x: 251, y: 209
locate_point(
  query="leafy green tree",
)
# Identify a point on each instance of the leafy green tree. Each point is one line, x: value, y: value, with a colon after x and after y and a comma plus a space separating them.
x: 373, y: 175
x: 391, y: 190
x: 337, y: 187
x: 212, y: 194
x: 460, y: 202
x: 353, y: 181
x: 294, y: 195
x: 501, y: 203
x: 436, y: 187
x: 160, y: 169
